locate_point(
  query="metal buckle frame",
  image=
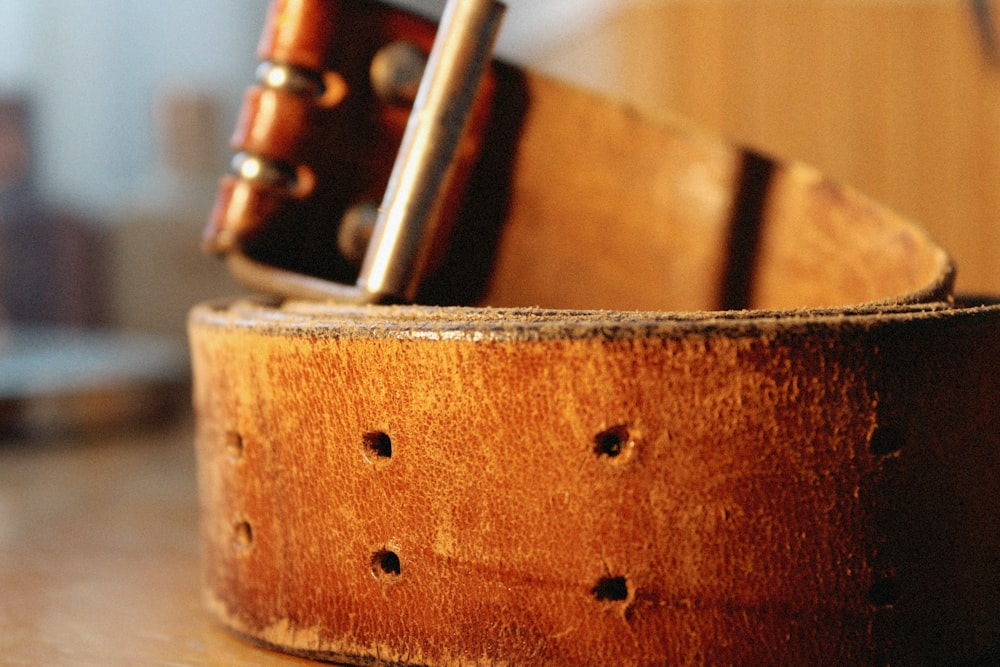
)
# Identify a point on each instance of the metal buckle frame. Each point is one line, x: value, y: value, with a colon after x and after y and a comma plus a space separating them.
x: 409, y: 215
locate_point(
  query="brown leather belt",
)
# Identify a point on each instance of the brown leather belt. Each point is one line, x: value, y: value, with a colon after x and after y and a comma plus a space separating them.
x: 711, y: 408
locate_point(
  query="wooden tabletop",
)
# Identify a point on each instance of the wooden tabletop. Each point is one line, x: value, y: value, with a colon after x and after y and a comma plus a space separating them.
x: 99, y: 555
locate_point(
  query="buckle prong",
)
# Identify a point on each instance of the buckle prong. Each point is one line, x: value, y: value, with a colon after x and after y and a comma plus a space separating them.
x: 408, y: 216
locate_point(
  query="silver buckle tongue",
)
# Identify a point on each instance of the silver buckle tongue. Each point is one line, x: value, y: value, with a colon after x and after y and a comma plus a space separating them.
x: 408, y: 215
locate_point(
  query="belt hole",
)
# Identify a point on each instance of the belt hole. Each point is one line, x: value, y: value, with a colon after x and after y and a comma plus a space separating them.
x: 243, y: 534
x: 611, y: 589
x: 884, y: 593
x: 378, y: 444
x: 616, y: 443
x: 886, y: 440
x: 234, y: 445
x: 385, y: 564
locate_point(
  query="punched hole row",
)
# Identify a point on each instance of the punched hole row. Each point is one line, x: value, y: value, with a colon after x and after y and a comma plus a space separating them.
x: 377, y: 443
x: 886, y: 441
x: 615, y: 443
x: 385, y: 564
x: 611, y: 443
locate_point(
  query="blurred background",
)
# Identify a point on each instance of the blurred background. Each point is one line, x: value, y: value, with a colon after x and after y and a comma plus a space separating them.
x: 115, y: 115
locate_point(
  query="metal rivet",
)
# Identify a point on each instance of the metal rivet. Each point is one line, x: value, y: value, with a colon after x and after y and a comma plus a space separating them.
x: 356, y: 227
x: 396, y: 71
x: 263, y: 171
x: 294, y: 80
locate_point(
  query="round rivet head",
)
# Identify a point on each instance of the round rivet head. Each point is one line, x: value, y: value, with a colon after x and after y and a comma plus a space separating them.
x: 295, y: 80
x: 396, y: 71
x: 263, y: 171
x: 355, y: 232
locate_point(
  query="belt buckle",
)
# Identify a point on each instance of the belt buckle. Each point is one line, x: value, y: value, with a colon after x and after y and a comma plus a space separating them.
x: 439, y: 142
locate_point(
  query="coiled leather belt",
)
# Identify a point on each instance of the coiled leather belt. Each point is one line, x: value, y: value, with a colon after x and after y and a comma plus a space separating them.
x: 712, y: 408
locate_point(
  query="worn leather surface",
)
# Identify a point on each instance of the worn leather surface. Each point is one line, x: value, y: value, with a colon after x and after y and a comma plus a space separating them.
x: 708, y: 409
x: 787, y: 489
